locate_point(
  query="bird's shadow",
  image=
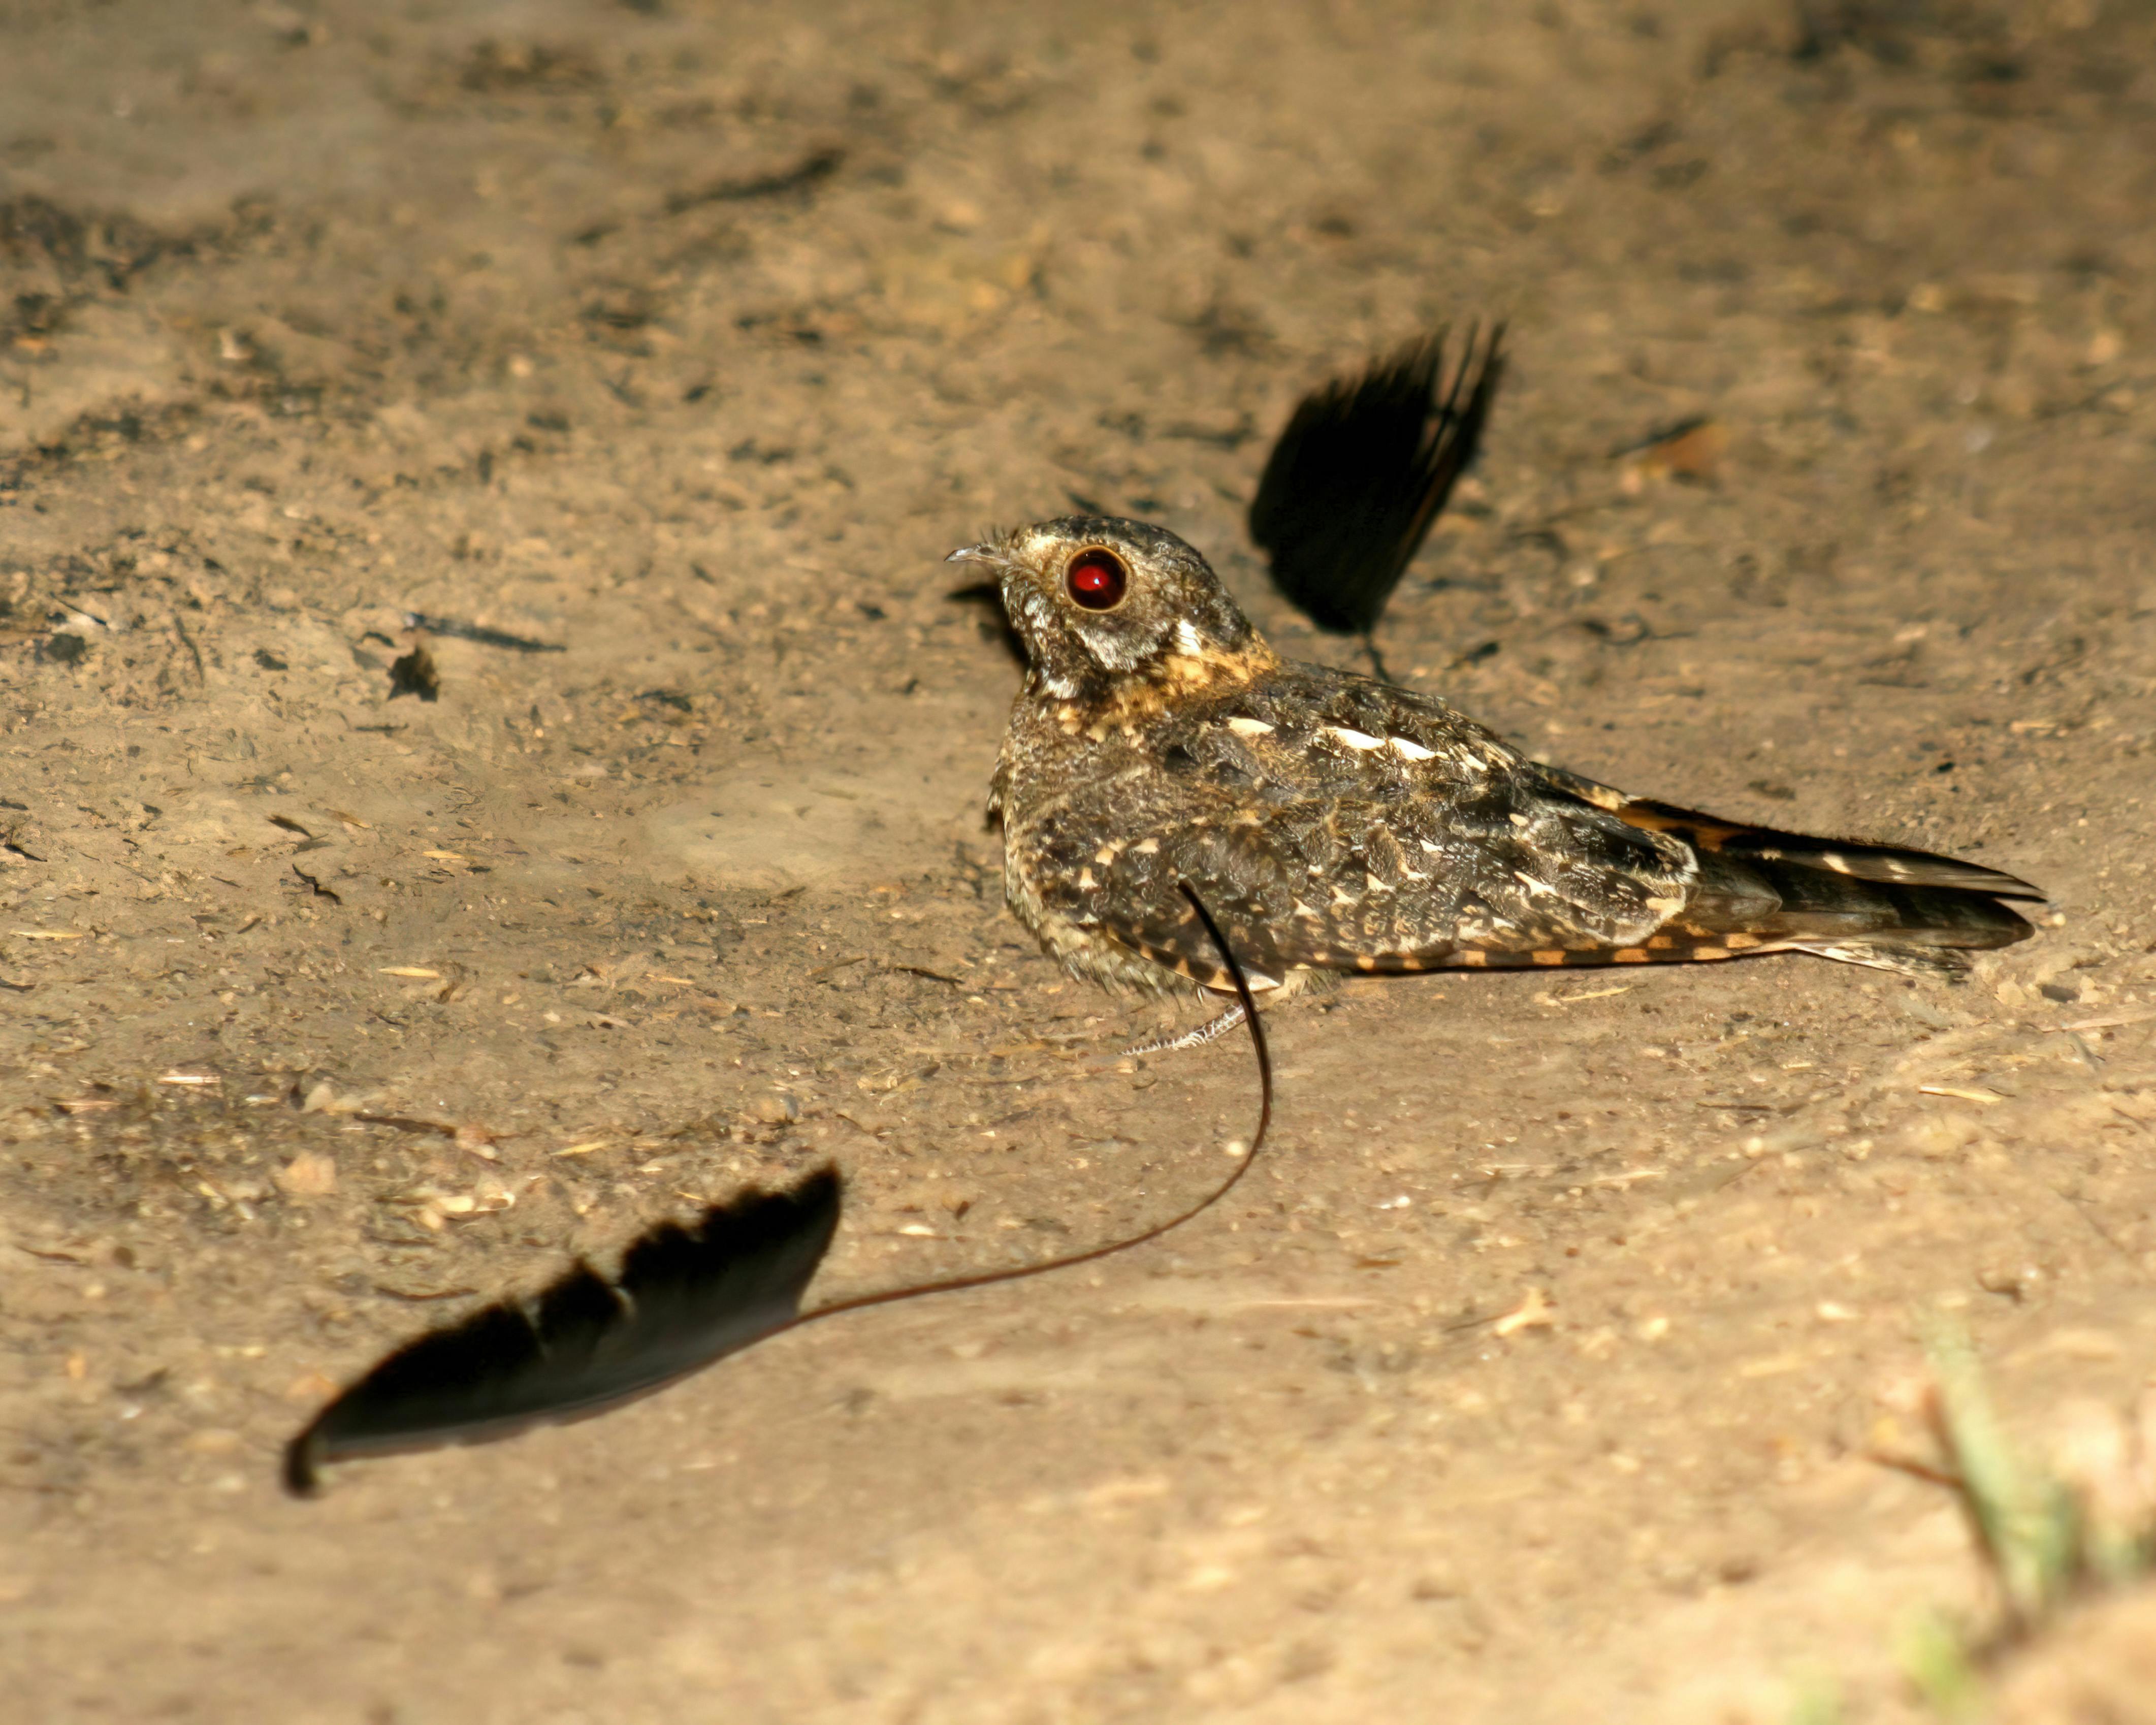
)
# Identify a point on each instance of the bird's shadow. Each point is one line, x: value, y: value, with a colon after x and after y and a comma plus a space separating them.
x: 986, y: 599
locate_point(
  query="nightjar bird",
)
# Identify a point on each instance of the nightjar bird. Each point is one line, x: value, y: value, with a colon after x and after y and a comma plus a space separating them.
x: 1335, y: 823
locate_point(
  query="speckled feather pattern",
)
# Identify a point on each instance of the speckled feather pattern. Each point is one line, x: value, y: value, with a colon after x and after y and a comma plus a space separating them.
x: 1334, y: 823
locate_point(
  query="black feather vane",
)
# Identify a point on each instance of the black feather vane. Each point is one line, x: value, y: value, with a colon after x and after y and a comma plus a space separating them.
x: 1361, y: 470
x: 684, y: 1297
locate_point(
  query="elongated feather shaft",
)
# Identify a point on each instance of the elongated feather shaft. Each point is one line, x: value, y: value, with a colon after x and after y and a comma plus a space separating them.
x: 686, y: 1297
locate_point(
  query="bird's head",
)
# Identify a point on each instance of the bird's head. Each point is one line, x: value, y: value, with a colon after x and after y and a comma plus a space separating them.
x: 1097, y: 599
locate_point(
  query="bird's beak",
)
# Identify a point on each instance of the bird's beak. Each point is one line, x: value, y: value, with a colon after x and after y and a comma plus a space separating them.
x: 999, y: 566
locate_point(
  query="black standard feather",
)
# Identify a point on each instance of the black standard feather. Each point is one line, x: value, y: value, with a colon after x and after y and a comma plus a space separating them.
x: 685, y: 1297
x: 1361, y: 470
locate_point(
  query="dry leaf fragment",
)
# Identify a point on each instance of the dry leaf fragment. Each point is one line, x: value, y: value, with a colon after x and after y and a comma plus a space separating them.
x: 309, y: 1175
x: 1962, y: 1092
x: 1535, y: 1312
x: 1692, y: 450
x: 322, y: 1098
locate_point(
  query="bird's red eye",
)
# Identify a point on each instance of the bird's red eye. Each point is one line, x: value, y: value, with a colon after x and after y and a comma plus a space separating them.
x: 1097, y: 580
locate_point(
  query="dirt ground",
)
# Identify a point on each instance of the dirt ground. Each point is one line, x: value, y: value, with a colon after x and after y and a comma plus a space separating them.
x: 1540, y: 1371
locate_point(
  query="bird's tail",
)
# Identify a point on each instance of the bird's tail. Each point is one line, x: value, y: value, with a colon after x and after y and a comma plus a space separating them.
x: 1764, y: 891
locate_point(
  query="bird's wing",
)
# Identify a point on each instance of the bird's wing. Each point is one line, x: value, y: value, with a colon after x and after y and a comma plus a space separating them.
x: 1323, y: 846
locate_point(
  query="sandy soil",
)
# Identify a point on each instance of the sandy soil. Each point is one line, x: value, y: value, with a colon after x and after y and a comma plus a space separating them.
x: 1538, y: 1373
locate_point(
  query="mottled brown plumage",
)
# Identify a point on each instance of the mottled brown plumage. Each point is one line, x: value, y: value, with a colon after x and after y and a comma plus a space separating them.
x: 1336, y: 823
